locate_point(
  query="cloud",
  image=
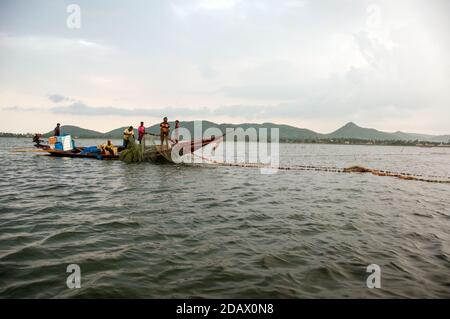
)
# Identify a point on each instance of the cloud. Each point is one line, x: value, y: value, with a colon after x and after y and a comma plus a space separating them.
x: 274, y: 92
x: 248, y: 111
x: 261, y: 59
x: 47, y: 44
x: 81, y: 109
x: 56, y: 98
x: 19, y: 109
x: 184, y: 9
x: 307, y: 106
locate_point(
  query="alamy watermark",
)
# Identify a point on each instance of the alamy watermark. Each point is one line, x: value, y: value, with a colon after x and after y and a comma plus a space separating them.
x: 374, y: 279
x: 74, y: 19
x: 74, y: 279
x: 234, y: 146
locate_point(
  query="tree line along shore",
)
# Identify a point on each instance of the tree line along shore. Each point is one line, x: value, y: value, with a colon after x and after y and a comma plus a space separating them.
x: 338, y: 141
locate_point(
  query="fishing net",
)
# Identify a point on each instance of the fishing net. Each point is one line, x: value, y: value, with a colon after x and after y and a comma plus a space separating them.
x: 133, y: 153
x: 351, y: 169
x: 145, y: 152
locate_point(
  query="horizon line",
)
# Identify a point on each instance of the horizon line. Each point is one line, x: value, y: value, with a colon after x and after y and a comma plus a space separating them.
x: 246, y: 123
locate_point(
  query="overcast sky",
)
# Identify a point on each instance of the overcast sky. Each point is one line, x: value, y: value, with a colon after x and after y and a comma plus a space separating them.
x: 315, y: 64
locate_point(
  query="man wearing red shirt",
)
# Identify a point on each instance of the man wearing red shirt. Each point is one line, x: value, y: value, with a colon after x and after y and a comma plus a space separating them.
x: 141, y: 132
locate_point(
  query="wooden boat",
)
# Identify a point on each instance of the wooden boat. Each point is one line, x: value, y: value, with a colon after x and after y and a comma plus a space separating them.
x: 77, y: 153
x: 153, y: 153
x: 156, y: 153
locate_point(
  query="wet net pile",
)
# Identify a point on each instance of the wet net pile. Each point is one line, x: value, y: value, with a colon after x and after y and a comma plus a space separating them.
x: 133, y: 153
x: 145, y: 152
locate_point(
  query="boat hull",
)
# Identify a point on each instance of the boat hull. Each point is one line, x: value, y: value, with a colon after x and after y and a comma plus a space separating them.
x: 152, y: 154
x: 78, y: 155
x: 158, y: 154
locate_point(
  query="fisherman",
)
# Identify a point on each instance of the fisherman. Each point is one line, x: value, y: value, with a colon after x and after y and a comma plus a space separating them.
x: 141, y: 132
x: 57, y: 130
x: 164, y: 131
x: 177, y: 129
x: 108, y: 147
x: 128, y: 133
x: 37, y: 139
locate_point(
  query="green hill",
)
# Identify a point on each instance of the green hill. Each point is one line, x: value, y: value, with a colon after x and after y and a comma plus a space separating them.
x: 286, y: 132
x: 118, y: 132
x: 351, y: 130
x: 76, y: 131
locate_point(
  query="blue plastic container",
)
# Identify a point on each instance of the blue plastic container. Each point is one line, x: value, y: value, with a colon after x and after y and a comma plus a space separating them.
x: 90, y: 150
x: 58, y: 146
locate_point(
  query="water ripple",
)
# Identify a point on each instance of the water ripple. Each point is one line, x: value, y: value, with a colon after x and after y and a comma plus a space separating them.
x: 165, y: 231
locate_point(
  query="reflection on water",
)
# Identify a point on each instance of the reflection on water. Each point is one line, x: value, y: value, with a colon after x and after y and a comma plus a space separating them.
x: 158, y: 231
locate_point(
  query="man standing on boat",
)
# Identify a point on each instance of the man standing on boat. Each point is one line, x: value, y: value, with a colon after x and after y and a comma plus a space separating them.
x: 164, y: 132
x: 177, y: 129
x: 37, y: 139
x: 128, y: 133
x: 57, y: 130
x: 141, y: 132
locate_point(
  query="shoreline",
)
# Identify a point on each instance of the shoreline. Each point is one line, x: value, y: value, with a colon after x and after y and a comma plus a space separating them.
x: 345, y: 142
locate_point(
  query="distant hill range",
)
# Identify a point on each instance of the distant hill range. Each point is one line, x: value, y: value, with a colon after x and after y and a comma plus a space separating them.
x: 287, y: 132
x: 78, y: 132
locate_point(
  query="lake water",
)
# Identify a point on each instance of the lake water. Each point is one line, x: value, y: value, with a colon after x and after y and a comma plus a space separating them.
x: 176, y: 231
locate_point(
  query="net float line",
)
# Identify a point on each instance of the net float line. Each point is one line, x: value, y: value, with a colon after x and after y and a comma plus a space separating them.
x: 351, y: 169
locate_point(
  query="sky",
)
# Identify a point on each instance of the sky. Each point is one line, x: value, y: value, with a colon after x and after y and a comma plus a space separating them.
x: 316, y: 64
